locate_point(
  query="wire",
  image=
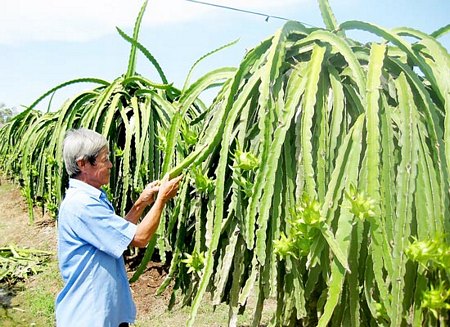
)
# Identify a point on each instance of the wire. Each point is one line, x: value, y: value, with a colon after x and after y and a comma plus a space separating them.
x: 246, y: 11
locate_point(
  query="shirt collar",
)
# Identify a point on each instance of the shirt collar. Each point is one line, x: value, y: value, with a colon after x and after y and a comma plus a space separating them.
x: 77, y: 184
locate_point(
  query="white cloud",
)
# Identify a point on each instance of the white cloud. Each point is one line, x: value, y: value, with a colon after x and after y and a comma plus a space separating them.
x: 23, y: 21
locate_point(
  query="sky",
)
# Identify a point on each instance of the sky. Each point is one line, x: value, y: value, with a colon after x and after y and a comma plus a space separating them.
x: 44, y: 43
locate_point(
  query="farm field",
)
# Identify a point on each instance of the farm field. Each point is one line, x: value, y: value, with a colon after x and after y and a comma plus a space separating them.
x: 30, y: 303
x: 315, y: 187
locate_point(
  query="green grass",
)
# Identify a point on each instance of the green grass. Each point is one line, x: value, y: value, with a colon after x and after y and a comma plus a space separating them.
x: 32, y: 302
x: 41, y: 305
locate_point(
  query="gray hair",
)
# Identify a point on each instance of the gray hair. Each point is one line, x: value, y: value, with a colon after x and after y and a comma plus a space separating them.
x: 81, y: 144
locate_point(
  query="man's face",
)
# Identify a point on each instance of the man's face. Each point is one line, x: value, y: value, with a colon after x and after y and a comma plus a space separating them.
x: 98, y: 174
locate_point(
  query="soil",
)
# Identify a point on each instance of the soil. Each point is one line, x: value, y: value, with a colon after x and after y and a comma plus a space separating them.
x: 15, y: 229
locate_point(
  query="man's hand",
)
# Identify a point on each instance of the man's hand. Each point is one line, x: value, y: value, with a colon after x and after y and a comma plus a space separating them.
x: 148, y: 226
x: 168, y: 188
x: 148, y: 195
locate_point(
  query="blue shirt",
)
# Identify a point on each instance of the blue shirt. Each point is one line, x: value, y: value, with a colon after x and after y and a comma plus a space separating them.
x: 91, y: 240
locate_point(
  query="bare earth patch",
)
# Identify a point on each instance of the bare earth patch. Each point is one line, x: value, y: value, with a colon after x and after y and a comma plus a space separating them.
x: 14, y: 222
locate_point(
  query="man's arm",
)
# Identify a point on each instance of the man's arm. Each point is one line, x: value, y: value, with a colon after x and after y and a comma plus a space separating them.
x: 135, y: 212
x: 146, y: 198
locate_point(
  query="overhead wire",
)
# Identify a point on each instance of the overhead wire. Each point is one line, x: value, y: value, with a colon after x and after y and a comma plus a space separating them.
x: 268, y: 16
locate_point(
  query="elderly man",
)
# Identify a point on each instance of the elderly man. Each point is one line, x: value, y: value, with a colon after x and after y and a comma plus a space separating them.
x: 92, y: 238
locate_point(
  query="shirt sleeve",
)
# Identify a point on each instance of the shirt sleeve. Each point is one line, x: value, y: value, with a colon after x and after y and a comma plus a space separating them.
x: 98, y: 225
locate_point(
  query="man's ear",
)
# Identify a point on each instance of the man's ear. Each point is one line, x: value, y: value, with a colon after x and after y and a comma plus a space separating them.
x: 81, y: 164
